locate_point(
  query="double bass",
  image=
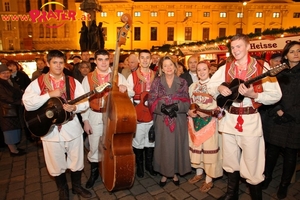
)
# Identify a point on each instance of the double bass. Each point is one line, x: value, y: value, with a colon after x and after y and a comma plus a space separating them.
x: 117, y: 165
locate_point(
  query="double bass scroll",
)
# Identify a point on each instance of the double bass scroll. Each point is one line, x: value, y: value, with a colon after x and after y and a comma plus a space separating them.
x: 117, y: 165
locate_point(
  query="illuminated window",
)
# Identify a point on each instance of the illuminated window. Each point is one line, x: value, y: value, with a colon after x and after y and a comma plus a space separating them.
x: 41, y: 30
x: 258, y: 15
x: 205, y: 34
x: 11, y: 44
x: 29, y: 30
x: 222, y: 32
x: 171, y: 14
x: 206, y: 14
x: 6, y: 6
x: 66, y: 4
x: 296, y: 15
x: 27, y: 5
x: 54, y: 32
x: 53, y: 6
x: 47, y: 6
x: 153, y: 14
x: 137, y: 33
x: 119, y: 13
x: 39, y: 4
x: 8, y: 26
x: 153, y: 34
x: 170, y: 34
x: 137, y: 14
x: 47, y: 31
x: 188, y: 33
x: 188, y: 14
x: 103, y: 14
x: 276, y: 15
x: 223, y: 14
x: 239, y: 31
x: 239, y: 15
x: 67, y: 31
x: 257, y: 30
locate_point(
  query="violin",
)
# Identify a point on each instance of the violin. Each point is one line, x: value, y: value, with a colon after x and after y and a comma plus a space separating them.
x: 214, y: 112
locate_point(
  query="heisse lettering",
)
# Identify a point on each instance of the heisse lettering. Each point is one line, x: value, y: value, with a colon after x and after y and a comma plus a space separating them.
x: 263, y: 46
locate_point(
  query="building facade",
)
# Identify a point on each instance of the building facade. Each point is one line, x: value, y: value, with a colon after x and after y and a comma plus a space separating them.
x: 56, y: 25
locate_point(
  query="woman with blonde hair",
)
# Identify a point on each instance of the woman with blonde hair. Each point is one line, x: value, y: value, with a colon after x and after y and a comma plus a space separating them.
x: 169, y: 102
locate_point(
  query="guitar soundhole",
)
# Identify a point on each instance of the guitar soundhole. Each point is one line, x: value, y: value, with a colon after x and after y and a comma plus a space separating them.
x: 49, y: 114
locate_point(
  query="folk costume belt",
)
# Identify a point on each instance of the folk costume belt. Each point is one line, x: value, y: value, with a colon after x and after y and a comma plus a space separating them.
x: 242, y: 110
x: 100, y: 110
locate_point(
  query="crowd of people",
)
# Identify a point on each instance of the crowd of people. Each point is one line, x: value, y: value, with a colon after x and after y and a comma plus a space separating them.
x: 207, y: 119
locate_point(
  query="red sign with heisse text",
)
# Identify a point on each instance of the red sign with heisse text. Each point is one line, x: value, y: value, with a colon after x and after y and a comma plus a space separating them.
x: 271, y: 45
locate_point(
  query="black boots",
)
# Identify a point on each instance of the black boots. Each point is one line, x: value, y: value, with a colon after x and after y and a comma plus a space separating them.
x: 272, y: 154
x: 289, y: 165
x: 76, y: 185
x: 282, y: 191
x: 232, y: 187
x: 62, y: 185
x: 255, y: 191
x: 148, y: 160
x: 94, y: 175
x: 288, y: 169
x: 139, y: 160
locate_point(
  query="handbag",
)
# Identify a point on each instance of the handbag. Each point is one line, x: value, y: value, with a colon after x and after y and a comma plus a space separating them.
x: 9, y: 110
x: 151, y: 134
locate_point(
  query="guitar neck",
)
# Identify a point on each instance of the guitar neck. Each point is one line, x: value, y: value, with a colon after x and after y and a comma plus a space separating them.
x: 71, y: 102
x: 257, y: 78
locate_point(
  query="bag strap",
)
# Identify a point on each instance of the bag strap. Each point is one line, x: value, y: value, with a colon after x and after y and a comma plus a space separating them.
x: 68, y: 88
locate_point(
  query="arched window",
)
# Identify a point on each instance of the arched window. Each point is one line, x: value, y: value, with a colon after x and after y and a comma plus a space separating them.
x: 67, y: 31
x: 47, y: 31
x: 39, y: 4
x: 66, y: 4
x: 41, y: 28
x: 47, y: 6
x: 29, y: 30
x: 54, y: 32
x: 27, y: 6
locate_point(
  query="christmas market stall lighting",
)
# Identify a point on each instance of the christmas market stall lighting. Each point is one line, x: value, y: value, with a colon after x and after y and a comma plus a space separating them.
x: 266, y: 34
x: 175, y: 49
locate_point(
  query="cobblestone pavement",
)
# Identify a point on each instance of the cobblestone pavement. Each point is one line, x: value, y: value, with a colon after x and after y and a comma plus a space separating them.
x: 26, y: 177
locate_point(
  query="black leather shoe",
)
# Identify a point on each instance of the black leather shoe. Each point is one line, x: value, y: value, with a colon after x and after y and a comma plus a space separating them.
x: 20, y: 153
x: 282, y: 191
x: 162, y: 184
x: 266, y: 183
x: 21, y: 150
x: 176, y: 182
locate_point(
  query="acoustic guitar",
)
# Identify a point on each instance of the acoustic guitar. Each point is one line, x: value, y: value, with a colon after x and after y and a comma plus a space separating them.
x: 224, y: 102
x: 142, y: 111
x: 51, y: 113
